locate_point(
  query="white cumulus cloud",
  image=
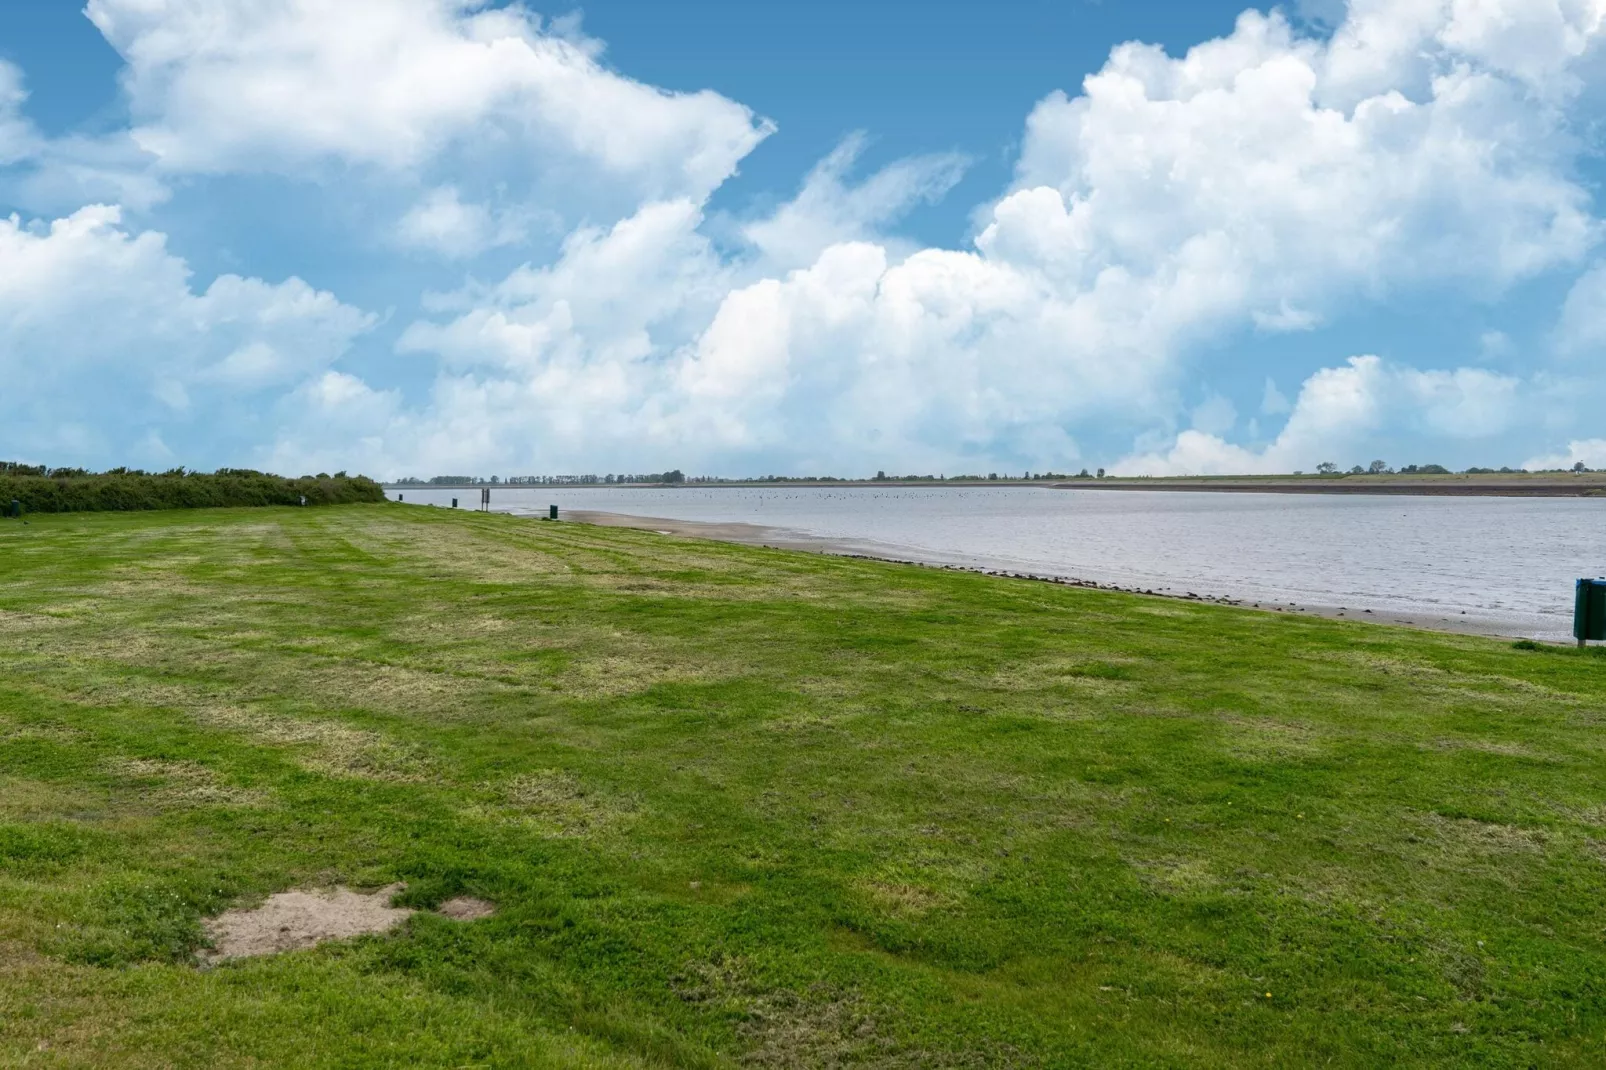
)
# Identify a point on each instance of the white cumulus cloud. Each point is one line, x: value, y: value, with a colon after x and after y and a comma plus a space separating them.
x: 102, y: 337
x: 1343, y: 410
x: 1590, y: 452
x: 442, y: 222
x: 1257, y: 185
x: 830, y: 209
x: 282, y: 85
x: 1582, y: 330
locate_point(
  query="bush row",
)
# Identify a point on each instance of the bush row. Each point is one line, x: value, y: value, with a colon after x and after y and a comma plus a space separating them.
x: 123, y: 490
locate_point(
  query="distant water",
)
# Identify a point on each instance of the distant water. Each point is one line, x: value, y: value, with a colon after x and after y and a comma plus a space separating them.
x: 1505, y: 565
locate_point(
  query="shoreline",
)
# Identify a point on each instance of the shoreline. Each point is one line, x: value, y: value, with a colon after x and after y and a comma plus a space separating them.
x: 780, y: 539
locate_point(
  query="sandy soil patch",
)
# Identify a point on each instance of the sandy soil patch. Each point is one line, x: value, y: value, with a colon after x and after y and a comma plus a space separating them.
x: 291, y: 921
x: 466, y: 908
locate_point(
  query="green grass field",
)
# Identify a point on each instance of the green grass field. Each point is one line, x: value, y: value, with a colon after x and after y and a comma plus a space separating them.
x: 748, y: 807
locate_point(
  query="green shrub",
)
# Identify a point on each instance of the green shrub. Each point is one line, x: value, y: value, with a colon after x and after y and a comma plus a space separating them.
x: 76, y: 491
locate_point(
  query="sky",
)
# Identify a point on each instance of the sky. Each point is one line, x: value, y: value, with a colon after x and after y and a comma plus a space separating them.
x: 413, y: 237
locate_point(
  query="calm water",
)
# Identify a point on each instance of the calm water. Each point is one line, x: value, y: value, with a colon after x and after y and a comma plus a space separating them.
x: 1501, y: 564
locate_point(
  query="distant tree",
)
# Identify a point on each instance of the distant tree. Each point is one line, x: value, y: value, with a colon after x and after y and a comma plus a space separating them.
x: 1580, y: 467
x: 1377, y: 468
x: 1326, y: 468
x: 1084, y: 474
x: 881, y: 475
x: 1101, y: 473
x: 674, y: 475
x: 1357, y: 471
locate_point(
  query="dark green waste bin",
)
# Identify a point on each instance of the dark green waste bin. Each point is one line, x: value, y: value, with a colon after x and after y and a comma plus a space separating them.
x: 14, y: 509
x: 1589, y: 611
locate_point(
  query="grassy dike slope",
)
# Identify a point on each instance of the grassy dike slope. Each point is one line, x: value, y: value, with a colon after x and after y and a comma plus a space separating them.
x: 748, y: 807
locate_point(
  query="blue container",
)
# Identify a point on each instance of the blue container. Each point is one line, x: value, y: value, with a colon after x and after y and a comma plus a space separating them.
x: 1589, y: 611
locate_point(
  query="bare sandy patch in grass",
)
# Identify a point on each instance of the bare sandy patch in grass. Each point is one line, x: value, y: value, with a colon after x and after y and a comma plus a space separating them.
x: 466, y: 908
x: 291, y: 921
x: 182, y: 783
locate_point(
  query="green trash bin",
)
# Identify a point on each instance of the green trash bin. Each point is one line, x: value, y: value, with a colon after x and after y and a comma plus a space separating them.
x: 14, y: 509
x: 1589, y: 611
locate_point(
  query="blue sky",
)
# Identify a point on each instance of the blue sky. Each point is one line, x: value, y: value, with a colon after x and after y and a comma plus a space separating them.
x: 414, y: 236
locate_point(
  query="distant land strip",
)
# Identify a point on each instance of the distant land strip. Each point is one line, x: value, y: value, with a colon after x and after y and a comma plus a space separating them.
x: 1548, y: 486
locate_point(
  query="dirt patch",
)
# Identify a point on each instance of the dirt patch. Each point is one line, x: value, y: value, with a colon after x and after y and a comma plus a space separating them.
x: 291, y: 921
x: 466, y: 908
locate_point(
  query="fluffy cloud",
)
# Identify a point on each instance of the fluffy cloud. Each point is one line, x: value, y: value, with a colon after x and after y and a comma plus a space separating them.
x: 1261, y: 180
x: 1344, y: 410
x: 17, y: 137
x: 443, y: 223
x: 1259, y: 184
x: 104, y: 344
x: 829, y: 209
x: 1590, y: 452
x: 1582, y: 329
x: 284, y: 85
x: 1306, y: 198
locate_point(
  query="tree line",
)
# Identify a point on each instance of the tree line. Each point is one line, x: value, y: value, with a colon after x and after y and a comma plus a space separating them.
x: 41, y: 489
